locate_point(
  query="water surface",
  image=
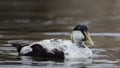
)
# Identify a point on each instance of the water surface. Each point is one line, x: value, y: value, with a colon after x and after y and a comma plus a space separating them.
x: 106, y: 49
x: 23, y: 21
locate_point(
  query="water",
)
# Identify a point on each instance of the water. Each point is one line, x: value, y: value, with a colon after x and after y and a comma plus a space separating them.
x: 103, y: 21
x: 106, y: 49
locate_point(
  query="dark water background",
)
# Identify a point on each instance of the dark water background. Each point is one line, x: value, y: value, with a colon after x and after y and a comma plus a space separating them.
x: 45, y: 19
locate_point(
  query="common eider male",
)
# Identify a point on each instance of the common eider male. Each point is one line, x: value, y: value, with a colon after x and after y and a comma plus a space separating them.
x: 59, y: 48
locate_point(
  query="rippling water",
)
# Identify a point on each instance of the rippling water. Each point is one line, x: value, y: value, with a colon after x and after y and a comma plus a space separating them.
x: 106, y: 50
x: 22, y: 21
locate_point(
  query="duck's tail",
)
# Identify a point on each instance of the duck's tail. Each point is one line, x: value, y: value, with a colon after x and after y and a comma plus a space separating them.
x: 18, y: 44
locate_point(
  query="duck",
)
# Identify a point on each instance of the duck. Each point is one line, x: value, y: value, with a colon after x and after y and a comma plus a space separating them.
x: 58, y: 48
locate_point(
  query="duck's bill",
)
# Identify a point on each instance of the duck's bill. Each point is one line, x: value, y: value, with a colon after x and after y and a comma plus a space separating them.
x: 88, y: 39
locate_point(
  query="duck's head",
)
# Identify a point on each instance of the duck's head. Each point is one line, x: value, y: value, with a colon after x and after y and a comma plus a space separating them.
x: 80, y: 34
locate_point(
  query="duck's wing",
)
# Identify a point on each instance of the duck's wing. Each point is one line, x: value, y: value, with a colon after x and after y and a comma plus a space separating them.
x: 44, y: 48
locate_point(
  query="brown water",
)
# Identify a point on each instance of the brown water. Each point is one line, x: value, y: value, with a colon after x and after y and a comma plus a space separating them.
x: 101, y: 17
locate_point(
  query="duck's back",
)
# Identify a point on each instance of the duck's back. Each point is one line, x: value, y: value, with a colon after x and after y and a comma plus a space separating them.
x: 50, y: 44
